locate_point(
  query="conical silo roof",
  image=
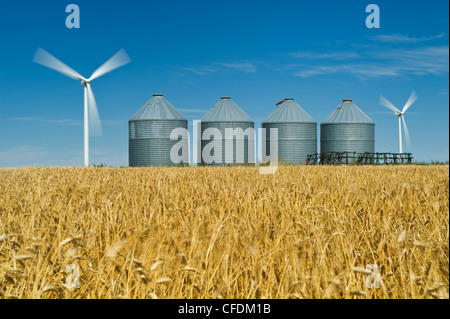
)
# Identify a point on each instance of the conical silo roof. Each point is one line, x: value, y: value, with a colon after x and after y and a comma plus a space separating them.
x: 288, y: 111
x: 347, y: 112
x: 158, y: 108
x: 226, y: 111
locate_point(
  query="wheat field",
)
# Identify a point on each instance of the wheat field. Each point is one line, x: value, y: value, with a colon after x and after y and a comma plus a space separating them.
x: 203, y: 232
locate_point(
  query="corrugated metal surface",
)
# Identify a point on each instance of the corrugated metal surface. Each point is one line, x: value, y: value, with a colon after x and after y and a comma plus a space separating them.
x: 295, y: 141
x: 297, y: 132
x: 149, y: 133
x: 227, y: 114
x: 347, y: 129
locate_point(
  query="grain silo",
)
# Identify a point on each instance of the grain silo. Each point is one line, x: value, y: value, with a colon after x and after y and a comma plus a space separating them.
x: 232, y: 149
x: 347, y: 129
x: 297, y: 132
x: 149, y: 133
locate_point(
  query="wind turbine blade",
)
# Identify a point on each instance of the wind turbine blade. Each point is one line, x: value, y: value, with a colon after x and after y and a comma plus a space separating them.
x: 95, y: 126
x: 46, y: 59
x: 408, y: 138
x: 119, y: 59
x: 410, y: 101
x: 389, y: 105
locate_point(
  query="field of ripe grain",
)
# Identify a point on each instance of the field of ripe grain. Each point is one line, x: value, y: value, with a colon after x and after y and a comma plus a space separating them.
x: 305, y: 232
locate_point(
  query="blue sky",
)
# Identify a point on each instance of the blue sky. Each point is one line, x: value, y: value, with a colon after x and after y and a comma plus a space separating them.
x: 194, y: 52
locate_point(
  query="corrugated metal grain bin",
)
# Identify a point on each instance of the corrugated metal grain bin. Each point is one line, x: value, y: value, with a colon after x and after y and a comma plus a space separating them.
x: 227, y: 114
x: 347, y: 129
x: 149, y: 133
x: 297, y: 132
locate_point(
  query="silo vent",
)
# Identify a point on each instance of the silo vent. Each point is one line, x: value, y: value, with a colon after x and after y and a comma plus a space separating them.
x: 225, y: 98
x: 157, y: 95
x: 289, y: 99
x: 346, y: 100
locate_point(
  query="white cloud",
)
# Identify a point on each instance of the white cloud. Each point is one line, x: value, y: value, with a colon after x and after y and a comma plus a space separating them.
x: 244, y: 67
x: 362, y: 61
x: 50, y: 121
x: 428, y: 60
x: 360, y: 70
x: 221, y: 67
x: 329, y: 55
x: 399, y: 38
x: 390, y: 62
x: 62, y: 121
x: 201, y: 70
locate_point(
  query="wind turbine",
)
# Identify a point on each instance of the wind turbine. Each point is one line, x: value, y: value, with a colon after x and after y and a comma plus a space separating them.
x: 401, y: 118
x: 90, y: 106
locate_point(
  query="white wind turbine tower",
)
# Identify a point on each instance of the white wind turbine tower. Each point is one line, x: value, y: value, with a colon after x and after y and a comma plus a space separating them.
x: 90, y: 107
x: 401, y: 118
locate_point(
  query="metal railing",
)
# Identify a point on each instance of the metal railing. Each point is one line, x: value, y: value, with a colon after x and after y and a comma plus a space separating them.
x: 355, y: 158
